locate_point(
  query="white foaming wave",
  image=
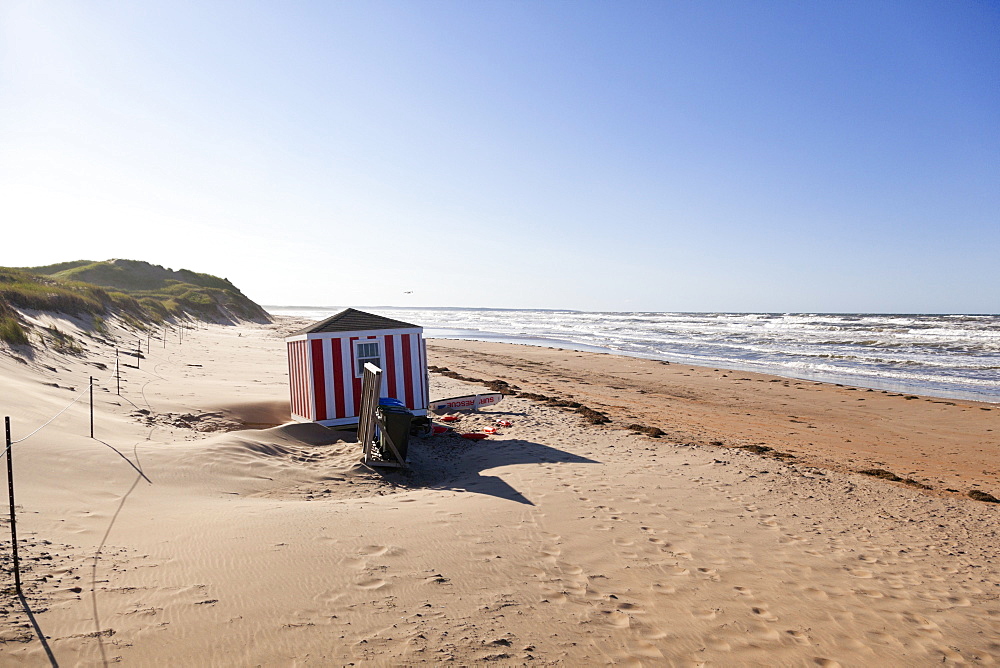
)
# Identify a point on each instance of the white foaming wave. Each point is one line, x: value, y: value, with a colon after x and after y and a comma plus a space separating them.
x: 918, y: 349
x: 900, y: 375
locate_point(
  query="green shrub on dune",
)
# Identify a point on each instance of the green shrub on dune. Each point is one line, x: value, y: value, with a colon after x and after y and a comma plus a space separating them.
x: 11, y: 331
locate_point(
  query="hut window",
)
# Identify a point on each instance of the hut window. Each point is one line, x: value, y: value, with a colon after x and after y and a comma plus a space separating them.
x: 366, y: 351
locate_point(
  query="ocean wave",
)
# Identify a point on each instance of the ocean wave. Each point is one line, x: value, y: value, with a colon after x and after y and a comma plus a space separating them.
x: 953, y: 354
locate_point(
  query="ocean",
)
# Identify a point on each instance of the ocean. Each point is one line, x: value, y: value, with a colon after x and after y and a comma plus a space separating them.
x: 953, y: 356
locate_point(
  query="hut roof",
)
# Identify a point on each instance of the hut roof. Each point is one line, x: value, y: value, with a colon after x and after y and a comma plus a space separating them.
x: 353, y: 320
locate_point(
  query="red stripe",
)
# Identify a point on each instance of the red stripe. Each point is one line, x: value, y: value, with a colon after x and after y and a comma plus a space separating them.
x: 319, y: 379
x: 291, y: 381
x: 304, y: 379
x: 293, y: 361
x: 422, y: 347
x: 390, y: 366
x: 303, y: 383
x: 355, y: 378
x: 297, y: 380
x: 338, y: 379
x: 407, y: 372
x: 301, y: 380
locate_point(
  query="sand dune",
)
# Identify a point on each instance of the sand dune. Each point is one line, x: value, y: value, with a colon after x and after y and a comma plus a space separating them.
x: 555, y: 542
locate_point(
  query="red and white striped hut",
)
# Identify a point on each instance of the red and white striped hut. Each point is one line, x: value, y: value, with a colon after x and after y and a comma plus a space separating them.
x: 325, y: 362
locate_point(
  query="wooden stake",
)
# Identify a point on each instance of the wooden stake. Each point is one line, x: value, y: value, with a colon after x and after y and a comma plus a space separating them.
x: 13, y: 520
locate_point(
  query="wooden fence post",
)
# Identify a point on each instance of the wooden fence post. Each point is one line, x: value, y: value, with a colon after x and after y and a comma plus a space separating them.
x: 13, y: 520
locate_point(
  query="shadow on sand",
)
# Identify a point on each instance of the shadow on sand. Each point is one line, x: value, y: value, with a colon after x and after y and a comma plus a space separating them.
x: 455, y: 463
x: 38, y: 630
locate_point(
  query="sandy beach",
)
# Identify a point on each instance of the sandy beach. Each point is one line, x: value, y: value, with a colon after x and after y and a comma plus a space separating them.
x: 198, y: 527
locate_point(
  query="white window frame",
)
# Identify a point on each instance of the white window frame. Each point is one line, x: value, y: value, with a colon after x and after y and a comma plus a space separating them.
x: 359, y: 362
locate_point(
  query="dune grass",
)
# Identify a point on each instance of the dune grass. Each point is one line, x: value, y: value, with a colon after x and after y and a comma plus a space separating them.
x: 12, y: 332
x: 140, y: 294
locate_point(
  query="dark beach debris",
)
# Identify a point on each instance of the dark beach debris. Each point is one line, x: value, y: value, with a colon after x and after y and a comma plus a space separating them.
x: 588, y: 414
x: 881, y: 473
x: 592, y: 416
x: 982, y: 496
x: 501, y: 386
x: 652, y: 432
x: 766, y: 451
x: 892, y: 477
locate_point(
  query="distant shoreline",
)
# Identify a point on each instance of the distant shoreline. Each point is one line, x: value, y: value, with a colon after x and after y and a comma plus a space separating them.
x: 895, y: 353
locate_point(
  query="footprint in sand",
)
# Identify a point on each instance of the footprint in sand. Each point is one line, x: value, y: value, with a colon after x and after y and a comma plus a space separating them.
x: 764, y: 632
x: 703, y: 613
x: 623, y: 542
x: 883, y: 638
x: 763, y: 613
x: 370, y: 583
x: 570, y: 569
x: 799, y: 637
x: 373, y: 550
x: 554, y: 595
x: 922, y: 623
x: 743, y: 591
x: 644, y: 650
x: 717, y: 644
x: 614, y: 618
x: 826, y: 663
x: 871, y: 593
x: 790, y: 539
x: 660, y: 588
x: 357, y: 564
x: 814, y: 593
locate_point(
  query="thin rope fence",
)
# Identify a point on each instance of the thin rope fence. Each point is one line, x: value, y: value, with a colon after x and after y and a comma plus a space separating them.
x: 47, y: 422
x: 8, y: 453
x: 52, y: 419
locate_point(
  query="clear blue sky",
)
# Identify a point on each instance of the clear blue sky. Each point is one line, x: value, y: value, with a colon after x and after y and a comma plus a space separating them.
x: 743, y: 156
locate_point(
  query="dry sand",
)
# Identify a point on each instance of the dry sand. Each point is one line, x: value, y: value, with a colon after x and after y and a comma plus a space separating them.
x: 554, y: 543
